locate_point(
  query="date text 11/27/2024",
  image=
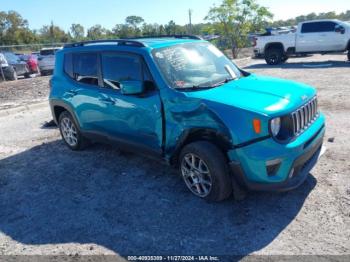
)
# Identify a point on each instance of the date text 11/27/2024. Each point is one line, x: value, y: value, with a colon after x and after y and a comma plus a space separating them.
x: 173, y: 258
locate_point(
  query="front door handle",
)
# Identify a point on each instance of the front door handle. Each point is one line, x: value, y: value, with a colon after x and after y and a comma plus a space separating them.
x: 107, y: 101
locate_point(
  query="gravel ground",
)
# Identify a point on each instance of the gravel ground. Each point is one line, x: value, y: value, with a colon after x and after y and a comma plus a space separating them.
x: 103, y: 201
x: 23, y: 92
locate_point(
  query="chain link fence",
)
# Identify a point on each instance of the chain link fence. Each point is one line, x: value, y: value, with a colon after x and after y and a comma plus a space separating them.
x: 22, y: 49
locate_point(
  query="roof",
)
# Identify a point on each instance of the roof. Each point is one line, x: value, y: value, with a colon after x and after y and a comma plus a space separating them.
x: 162, y: 42
x: 149, y: 42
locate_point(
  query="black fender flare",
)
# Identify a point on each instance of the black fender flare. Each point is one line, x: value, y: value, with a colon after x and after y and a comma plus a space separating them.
x: 66, y: 107
x: 197, y: 133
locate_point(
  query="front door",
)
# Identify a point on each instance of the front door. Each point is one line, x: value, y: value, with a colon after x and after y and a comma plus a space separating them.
x: 133, y: 119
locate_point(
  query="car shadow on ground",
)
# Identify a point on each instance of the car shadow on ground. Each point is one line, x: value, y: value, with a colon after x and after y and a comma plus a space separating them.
x: 131, y: 205
x: 301, y: 65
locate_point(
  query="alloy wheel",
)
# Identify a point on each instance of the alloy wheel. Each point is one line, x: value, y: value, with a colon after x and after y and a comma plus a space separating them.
x: 69, y: 132
x: 196, y: 175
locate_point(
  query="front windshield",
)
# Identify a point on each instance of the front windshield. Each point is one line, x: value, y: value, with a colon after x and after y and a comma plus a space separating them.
x: 195, y: 65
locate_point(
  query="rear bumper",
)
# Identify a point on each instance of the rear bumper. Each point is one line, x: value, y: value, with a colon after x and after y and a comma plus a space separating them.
x: 257, y: 52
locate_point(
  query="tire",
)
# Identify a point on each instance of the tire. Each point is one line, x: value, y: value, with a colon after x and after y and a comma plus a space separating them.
x: 12, y: 75
x: 203, y: 161
x: 43, y: 73
x: 284, y: 59
x: 273, y: 56
x: 70, y: 132
x: 348, y: 55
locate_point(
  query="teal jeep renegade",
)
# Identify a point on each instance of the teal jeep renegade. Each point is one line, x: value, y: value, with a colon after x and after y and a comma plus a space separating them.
x: 182, y: 100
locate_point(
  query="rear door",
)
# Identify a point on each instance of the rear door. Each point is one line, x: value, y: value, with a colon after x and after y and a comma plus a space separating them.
x: 82, y: 91
x: 319, y: 36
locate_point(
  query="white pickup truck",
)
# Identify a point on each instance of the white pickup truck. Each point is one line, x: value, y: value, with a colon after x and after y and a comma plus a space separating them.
x: 318, y: 36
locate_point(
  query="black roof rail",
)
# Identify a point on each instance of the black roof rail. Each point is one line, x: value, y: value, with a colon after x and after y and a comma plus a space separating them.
x: 193, y: 37
x: 124, y: 42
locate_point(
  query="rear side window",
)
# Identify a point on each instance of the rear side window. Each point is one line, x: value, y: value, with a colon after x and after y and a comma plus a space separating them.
x: 68, y: 65
x: 120, y: 67
x: 82, y: 67
x: 47, y: 52
x: 317, y: 27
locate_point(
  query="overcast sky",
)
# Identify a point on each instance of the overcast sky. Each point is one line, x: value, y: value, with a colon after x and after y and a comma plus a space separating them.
x: 111, y: 12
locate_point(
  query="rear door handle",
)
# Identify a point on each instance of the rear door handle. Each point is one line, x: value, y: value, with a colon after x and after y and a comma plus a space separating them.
x: 71, y: 93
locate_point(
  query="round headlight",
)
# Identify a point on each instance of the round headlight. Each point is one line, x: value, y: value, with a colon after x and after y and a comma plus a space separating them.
x: 275, y: 126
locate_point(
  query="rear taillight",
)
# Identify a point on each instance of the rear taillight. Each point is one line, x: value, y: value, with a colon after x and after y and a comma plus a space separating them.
x: 254, y: 42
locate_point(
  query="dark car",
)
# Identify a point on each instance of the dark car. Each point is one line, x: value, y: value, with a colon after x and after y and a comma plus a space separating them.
x: 12, y: 66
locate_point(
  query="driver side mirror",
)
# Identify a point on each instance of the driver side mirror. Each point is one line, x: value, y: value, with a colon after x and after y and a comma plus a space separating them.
x: 132, y: 87
x: 339, y: 29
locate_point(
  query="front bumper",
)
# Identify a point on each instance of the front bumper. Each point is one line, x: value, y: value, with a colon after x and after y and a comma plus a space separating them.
x: 248, y: 164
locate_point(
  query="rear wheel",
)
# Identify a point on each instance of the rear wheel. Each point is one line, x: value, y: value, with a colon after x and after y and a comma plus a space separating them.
x: 13, y: 75
x: 204, y: 170
x: 273, y: 56
x: 70, y: 132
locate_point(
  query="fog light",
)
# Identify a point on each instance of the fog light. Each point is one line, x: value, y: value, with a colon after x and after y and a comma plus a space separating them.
x: 291, y: 173
x: 272, y: 166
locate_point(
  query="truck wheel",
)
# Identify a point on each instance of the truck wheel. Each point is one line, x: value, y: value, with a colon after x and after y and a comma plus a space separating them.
x: 70, y: 132
x: 273, y: 56
x: 284, y: 59
x: 205, y: 172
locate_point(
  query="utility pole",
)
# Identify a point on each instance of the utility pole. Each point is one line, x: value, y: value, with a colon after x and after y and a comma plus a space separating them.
x: 190, y: 19
x: 1, y: 62
x: 51, y: 33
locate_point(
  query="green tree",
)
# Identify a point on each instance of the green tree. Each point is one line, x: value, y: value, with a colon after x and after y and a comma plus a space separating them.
x: 77, y: 31
x: 96, y: 32
x: 170, y: 28
x: 123, y: 31
x: 14, y: 29
x: 234, y: 19
x: 135, y: 21
x: 53, y: 34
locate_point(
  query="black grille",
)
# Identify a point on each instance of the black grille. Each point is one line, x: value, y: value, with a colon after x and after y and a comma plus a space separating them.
x: 304, y: 116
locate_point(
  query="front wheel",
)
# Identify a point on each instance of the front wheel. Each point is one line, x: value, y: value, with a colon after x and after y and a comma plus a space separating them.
x: 70, y: 132
x: 284, y: 59
x: 204, y: 170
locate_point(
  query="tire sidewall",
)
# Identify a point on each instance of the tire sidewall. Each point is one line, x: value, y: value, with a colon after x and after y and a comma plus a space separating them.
x: 273, y: 52
x: 217, y: 165
x: 63, y: 115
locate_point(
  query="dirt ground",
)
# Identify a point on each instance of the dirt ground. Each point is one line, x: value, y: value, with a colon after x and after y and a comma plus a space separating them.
x: 103, y: 201
x: 23, y: 92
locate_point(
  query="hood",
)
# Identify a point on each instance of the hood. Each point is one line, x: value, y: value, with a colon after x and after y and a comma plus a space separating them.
x: 261, y: 94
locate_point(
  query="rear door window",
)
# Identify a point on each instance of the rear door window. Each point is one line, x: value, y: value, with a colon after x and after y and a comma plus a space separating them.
x: 82, y: 67
x: 47, y: 52
x: 117, y: 67
x: 317, y: 27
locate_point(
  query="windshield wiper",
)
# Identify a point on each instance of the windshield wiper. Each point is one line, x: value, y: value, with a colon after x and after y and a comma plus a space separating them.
x: 225, y: 81
x: 194, y: 87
